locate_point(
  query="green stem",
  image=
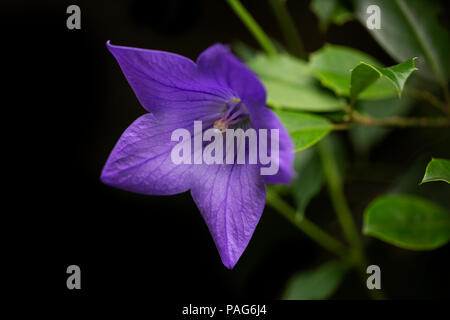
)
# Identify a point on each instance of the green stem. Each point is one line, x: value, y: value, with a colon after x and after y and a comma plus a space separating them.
x: 309, y: 228
x: 253, y: 26
x: 290, y: 33
x: 344, y: 215
x: 334, y: 183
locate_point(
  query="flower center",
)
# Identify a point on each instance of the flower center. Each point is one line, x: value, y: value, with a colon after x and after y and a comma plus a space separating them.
x: 234, y: 113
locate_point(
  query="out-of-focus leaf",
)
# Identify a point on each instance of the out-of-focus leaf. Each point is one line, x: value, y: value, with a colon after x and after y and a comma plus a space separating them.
x: 364, y: 74
x: 289, y: 84
x: 309, y: 178
x: 305, y: 129
x: 286, y: 96
x: 280, y: 189
x: 330, y: 11
x: 437, y: 170
x: 283, y: 67
x: 364, y: 138
x: 336, y: 116
x: 411, y: 29
x: 243, y: 50
x: 333, y: 64
x: 408, y: 222
x: 316, y: 284
x: 337, y: 147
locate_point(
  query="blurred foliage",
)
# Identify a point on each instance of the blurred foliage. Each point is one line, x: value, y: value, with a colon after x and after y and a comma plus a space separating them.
x: 309, y: 178
x: 342, y: 88
x: 319, y: 283
x: 289, y: 84
x: 330, y: 11
x: 412, y: 29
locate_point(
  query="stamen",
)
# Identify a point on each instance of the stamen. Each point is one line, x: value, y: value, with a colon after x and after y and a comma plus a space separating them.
x: 235, y: 103
x: 220, y: 126
x: 235, y: 113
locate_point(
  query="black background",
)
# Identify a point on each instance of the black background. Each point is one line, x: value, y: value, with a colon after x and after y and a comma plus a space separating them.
x: 65, y: 103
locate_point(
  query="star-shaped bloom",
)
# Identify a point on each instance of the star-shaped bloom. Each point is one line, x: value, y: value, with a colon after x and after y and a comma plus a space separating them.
x: 219, y: 90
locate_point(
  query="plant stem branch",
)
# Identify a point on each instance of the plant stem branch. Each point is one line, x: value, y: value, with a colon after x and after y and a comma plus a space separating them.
x: 343, y: 126
x: 309, y: 228
x: 290, y: 33
x: 400, y: 121
x: 396, y: 122
x: 253, y: 27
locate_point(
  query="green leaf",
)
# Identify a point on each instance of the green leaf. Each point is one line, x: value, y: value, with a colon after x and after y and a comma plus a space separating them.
x: 364, y: 74
x: 316, y: 284
x: 289, y: 84
x: 309, y: 178
x: 330, y: 11
x: 282, y: 95
x: 409, y: 174
x: 332, y: 65
x: 283, y: 67
x: 411, y: 29
x: 408, y: 222
x: 437, y: 170
x: 305, y: 129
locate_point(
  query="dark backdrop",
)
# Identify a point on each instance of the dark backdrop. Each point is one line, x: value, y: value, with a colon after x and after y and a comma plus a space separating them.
x: 69, y: 103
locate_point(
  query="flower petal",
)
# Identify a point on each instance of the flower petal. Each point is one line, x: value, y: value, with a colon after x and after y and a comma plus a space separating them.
x: 266, y: 119
x: 166, y: 84
x: 218, y: 63
x: 141, y: 160
x: 231, y: 200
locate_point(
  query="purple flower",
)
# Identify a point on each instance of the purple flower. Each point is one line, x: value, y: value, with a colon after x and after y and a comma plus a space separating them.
x: 221, y: 91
